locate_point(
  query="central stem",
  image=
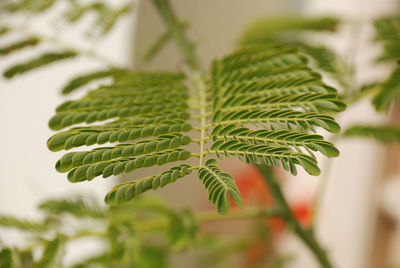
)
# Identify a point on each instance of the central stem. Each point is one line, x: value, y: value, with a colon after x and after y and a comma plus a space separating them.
x: 177, y: 31
x: 201, y: 87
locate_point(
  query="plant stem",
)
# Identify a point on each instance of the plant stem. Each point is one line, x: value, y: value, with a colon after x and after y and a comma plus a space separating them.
x: 177, y: 31
x: 306, y: 236
x: 199, y: 84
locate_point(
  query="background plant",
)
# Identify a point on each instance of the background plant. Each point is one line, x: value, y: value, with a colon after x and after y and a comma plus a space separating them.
x: 267, y: 84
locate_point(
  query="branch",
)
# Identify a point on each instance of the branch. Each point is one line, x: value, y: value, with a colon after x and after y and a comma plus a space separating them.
x: 306, y: 236
x: 176, y: 29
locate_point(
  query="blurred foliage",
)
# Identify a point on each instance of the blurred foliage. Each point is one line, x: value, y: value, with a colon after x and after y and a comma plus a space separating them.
x: 142, y: 233
x: 385, y: 93
x: 388, y: 35
x: 385, y: 134
x: 37, y: 62
x: 30, y: 41
x: 106, y: 15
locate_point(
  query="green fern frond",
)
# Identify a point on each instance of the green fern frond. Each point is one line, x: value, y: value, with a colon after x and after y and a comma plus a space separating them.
x: 163, y: 142
x: 28, y: 42
x: 125, y: 164
x: 116, y: 132
x: 271, y: 155
x: 51, y: 255
x: 314, y: 102
x: 286, y: 138
x: 126, y: 191
x: 85, y: 79
x: 13, y: 222
x: 388, y: 33
x: 389, y: 92
x: 269, y: 86
x: 384, y: 134
x: 268, y: 29
x: 43, y: 60
x: 99, y: 113
x: 219, y: 186
x: 289, y: 119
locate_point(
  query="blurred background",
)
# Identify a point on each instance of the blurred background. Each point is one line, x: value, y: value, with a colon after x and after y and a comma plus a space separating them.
x: 359, y: 212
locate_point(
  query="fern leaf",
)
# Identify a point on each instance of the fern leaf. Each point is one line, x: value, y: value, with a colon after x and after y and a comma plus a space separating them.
x: 13, y: 222
x: 101, y: 134
x: 51, y: 255
x: 126, y: 191
x: 289, y: 139
x: 43, y: 60
x: 85, y: 79
x: 32, y: 41
x: 308, y: 102
x: 163, y: 142
x: 384, y: 134
x: 219, y: 186
x: 125, y: 164
x: 270, y: 155
x: 282, y: 118
x: 99, y: 113
x: 390, y: 92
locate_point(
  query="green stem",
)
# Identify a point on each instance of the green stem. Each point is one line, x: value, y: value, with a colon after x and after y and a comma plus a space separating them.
x: 201, y: 87
x: 177, y: 31
x: 306, y: 236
